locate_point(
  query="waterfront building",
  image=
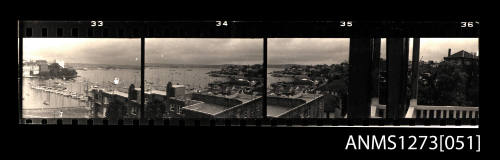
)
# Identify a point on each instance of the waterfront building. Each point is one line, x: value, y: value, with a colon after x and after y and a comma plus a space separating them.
x: 35, y: 69
x: 30, y: 69
x: 26, y: 71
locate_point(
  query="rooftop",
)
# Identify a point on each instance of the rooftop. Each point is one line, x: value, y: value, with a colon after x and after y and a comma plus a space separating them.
x: 213, y: 109
x: 208, y: 108
x: 163, y: 93
x: 462, y: 54
x: 244, y: 98
x: 309, y: 97
x: 277, y: 110
x: 122, y: 94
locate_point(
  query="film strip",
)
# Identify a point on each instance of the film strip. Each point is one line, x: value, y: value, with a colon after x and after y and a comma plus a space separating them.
x: 336, y: 72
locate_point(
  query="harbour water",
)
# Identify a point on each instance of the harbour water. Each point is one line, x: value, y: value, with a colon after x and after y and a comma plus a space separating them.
x: 271, y: 79
x: 192, y: 78
x: 38, y: 103
x: 41, y: 103
x: 105, y: 77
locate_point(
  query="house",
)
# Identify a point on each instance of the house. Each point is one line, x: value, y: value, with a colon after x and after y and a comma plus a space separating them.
x: 462, y: 57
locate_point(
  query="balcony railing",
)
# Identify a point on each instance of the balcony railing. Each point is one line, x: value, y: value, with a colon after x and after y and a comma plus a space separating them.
x: 423, y: 111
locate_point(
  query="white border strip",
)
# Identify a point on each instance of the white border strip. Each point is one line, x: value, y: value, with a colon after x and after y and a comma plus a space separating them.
x: 404, y: 126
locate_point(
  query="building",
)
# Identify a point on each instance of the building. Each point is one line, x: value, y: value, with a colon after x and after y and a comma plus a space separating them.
x: 35, y: 69
x: 177, y: 91
x: 204, y: 105
x: 462, y: 57
x: 101, y: 99
x: 30, y: 69
x: 176, y: 104
x: 214, y: 106
x: 26, y: 72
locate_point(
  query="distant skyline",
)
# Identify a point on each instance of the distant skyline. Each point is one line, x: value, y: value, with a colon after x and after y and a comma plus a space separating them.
x: 312, y: 51
x: 205, y: 51
x: 113, y: 51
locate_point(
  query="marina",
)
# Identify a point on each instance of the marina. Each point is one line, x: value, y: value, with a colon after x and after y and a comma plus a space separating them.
x: 71, y: 98
x: 40, y: 101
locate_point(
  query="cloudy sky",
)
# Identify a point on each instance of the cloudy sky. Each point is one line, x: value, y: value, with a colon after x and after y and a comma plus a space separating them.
x: 307, y: 50
x: 336, y: 50
x: 219, y: 51
x: 437, y: 48
x: 84, y: 50
x: 210, y: 51
x: 162, y: 50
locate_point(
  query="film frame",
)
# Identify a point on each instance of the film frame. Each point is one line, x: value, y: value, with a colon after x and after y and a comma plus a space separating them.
x: 362, y: 29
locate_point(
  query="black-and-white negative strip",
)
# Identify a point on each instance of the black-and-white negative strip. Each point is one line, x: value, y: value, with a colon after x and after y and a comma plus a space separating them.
x: 337, y: 72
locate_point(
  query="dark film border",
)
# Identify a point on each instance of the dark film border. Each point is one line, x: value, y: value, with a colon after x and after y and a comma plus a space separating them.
x: 252, y: 122
x: 249, y: 29
x: 245, y: 29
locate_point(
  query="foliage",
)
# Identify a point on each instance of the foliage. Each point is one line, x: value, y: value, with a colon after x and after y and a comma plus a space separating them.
x: 56, y: 71
x: 449, y: 84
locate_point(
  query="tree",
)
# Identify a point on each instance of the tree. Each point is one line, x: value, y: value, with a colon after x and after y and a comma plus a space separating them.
x: 448, y: 84
x: 56, y: 71
x: 68, y: 73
